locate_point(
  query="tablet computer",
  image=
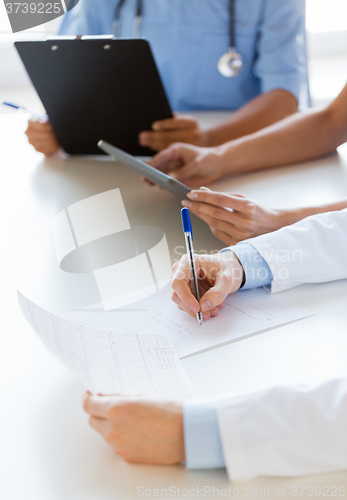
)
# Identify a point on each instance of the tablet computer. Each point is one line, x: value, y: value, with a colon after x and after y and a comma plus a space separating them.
x: 152, y: 174
x: 94, y: 87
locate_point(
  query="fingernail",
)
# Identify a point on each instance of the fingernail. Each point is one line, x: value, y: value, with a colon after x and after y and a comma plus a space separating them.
x: 205, y: 188
x: 194, y: 308
x: 206, y: 305
x: 155, y: 126
x: 193, y: 195
x: 186, y: 203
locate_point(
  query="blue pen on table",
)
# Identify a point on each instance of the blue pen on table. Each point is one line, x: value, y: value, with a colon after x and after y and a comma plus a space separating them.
x: 188, y: 234
x: 27, y: 110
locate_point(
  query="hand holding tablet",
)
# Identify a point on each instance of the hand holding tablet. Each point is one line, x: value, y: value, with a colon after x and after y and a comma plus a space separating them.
x: 156, y: 176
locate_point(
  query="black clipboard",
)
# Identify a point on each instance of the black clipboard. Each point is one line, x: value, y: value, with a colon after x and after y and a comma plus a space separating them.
x: 97, y: 88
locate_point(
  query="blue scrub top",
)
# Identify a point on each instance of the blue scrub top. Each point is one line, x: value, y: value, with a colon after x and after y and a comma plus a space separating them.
x: 187, y: 38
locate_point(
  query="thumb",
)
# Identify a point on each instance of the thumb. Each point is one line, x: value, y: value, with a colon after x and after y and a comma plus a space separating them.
x: 185, y: 173
x: 228, y: 281
x: 167, y: 160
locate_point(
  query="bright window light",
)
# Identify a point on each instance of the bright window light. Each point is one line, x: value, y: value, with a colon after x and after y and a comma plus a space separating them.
x: 326, y: 15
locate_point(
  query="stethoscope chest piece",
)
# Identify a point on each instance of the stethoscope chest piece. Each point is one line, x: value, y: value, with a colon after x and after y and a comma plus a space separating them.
x: 231, y: 63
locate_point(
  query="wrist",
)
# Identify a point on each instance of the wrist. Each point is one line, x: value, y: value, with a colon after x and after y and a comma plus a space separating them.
x: 290, y: 216
x: 231, y: 158
x: 234, y: 269
x: 205, y: 139
x: 242, y: 274
x: 178, y: 430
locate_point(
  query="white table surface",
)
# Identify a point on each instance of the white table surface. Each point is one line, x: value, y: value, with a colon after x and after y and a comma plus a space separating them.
x: 47, y: 450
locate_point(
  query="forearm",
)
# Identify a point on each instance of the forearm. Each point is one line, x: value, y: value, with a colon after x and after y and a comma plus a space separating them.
x: 262, y: 111
x: 288, y: 217
x: 300, y: 137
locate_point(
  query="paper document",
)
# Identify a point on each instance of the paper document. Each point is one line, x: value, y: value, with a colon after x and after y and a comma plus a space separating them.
x: 246, y: 313
x: 110, y: 361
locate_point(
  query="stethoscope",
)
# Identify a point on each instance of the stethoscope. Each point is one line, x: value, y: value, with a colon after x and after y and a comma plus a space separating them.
x: 229, y: 64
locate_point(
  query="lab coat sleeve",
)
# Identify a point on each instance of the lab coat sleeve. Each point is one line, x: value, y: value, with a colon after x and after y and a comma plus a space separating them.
x: 281, y: 63
x: 313, y: 250
x: 257, y: 272
x: 285, y: 431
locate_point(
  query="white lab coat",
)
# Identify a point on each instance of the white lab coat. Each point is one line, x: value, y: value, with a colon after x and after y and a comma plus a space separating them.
x: 313, y: 250
x: 289, y: 431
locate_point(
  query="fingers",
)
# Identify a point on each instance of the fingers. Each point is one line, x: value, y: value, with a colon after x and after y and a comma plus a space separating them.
x: 235, y: 202
x: 231, y: 218
x: 178, y: 122
x: 104, y: 427
x: 175, y: 157
x: 222, y: 274
x: 194, y: 171
x: 229, y: 280
x: 39, y: 125
x: 223, y: 224
x: 218, y: 275
x: 214, y: 313
x: 205, y: 316
x: 43, y: 143
x: 211, y: 211
x: 176, y: 299
x: 166, y: 132
x: 188, y: 174
x: 168, y: 160
x: 181, y: 292
x: 96, y: 406
x: 161, y: 140
x: 41, y: 136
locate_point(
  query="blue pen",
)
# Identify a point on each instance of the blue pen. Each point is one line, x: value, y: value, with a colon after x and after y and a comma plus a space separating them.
x: 188, y: 234
x: 18, y: 107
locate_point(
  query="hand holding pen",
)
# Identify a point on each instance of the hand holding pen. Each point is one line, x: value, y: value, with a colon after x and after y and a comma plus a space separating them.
x: 217, y: 276
x: 39, y: 132
x: 188, y: 234
x: 34, y: 114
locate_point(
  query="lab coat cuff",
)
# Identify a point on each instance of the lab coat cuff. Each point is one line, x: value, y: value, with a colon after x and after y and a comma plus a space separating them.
x: 257, y: 272
x: 201, y: 436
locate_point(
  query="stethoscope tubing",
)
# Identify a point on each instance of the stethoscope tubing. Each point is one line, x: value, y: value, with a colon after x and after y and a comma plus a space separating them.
x: 223, y: 61
x: 139, y: 12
